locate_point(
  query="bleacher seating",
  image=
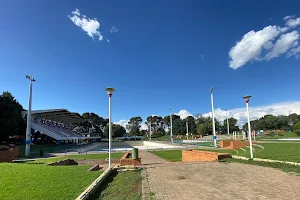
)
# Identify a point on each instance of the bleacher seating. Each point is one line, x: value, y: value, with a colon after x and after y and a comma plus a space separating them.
x: 58, y: 129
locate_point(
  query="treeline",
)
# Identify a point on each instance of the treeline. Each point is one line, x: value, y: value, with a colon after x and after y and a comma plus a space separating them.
x: 161, y: 125
x: 11, y: 121
x: 271, y: 122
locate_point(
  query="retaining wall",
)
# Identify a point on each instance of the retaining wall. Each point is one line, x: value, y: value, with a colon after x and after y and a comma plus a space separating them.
x: 197, y: 155
x: 127, y: 160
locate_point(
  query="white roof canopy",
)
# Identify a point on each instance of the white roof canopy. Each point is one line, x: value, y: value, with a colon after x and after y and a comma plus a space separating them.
x: 58, y: 115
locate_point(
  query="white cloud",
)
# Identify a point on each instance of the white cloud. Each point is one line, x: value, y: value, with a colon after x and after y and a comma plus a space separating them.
x: 144, y: 127
x: 122, y: 122
x: 183, y: 114
x: 260, y: 45
x: 90, y: 26
x: 283, y: 44
x: 288, y: 17
x: 251, y: 46
x: 284, y: 108
x: 293, y: 22
x: 294, y: 52
x: 114, y: 30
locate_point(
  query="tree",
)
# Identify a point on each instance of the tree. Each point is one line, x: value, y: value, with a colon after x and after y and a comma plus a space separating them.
x: 205, y: 124
x: 156, y: 122
x: 134, y: 125
x: 11, y: 121
x: 232, y: 125
x: 94, y: 123
x: 117, y: 131
x: 296, y: 126
x: 191, y: 124
x: 178, y: 127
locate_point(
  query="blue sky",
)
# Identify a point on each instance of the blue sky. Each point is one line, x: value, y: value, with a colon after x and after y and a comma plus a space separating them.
x: 160, y: 54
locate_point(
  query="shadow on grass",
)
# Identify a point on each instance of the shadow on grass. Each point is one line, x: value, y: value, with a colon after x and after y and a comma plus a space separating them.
x: 97, y: 194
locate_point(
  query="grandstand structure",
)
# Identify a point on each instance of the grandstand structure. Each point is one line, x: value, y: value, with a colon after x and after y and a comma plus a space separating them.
x: 59, y: 124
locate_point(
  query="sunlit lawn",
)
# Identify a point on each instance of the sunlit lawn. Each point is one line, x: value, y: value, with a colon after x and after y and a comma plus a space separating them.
x: 278, y: 135
x: 275, y: 151
x: 121, y: 186
x: 25, y: 181
x: 101, y: 156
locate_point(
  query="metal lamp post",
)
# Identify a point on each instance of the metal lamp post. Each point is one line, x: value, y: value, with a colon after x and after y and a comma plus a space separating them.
x: 28, y: 128
x: 213, y: 117
x: 227, y: 125
x: 150, y: 134
x: 247, y: 98
x: 171, y: 127
x: 187, y: 130
x: 109, y: 92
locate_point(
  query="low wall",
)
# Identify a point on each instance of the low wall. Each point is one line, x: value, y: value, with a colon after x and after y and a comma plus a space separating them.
x: 197, y: 155
x: 233, y: 144
x: 7, y: 154
x: 127, y: 160
x: 91, y: 189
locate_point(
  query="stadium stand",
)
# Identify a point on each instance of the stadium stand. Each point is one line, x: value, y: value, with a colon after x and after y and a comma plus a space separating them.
x: 58, y: 124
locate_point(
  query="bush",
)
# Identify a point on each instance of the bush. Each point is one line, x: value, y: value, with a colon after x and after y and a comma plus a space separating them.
x: 296, y: 126
x: 297, y: 132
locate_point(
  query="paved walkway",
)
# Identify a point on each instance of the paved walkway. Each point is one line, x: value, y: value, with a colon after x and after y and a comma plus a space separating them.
x: 150, y: 158
x: 214, y: 180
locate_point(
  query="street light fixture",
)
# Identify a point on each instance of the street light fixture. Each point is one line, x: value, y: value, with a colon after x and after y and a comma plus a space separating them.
x: 247, y: 98
x: 171, y: 126
x: 227, y: 124
x: 28, y: 128
x: 213, y: 117
x: 109, y: 92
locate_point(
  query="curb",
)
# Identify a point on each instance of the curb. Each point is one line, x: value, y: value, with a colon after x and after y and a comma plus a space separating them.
x: 90, y: 189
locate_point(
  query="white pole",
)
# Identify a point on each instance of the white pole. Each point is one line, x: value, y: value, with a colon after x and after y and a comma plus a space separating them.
x: 227, y: 125
x: 109, y: 134
x: 187, y: 130
x: 150, y: 131
x: 213, y: 118
x: 238, y: 135
x: 249, y: 130
x: 28, y: 128
x: 171, y: 132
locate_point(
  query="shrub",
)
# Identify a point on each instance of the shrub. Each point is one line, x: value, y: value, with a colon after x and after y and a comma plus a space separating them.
x: 297, y: 132
x: 296, y: 126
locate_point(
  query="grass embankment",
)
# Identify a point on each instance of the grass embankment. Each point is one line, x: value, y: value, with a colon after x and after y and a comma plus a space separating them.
x: 275, y: 151
x: 278, y: 135
x: 81, y: 156
x: 121, y: 186
x: 23, y: 181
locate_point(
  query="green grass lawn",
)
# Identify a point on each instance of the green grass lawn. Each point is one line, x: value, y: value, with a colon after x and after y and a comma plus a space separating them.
x: 170, y: 155
x: 281, y: 166
x: 121, y: 186
x: 24, y: 181
x: 275, y: 151
x: 82, y: 156
x: 278, y: 135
